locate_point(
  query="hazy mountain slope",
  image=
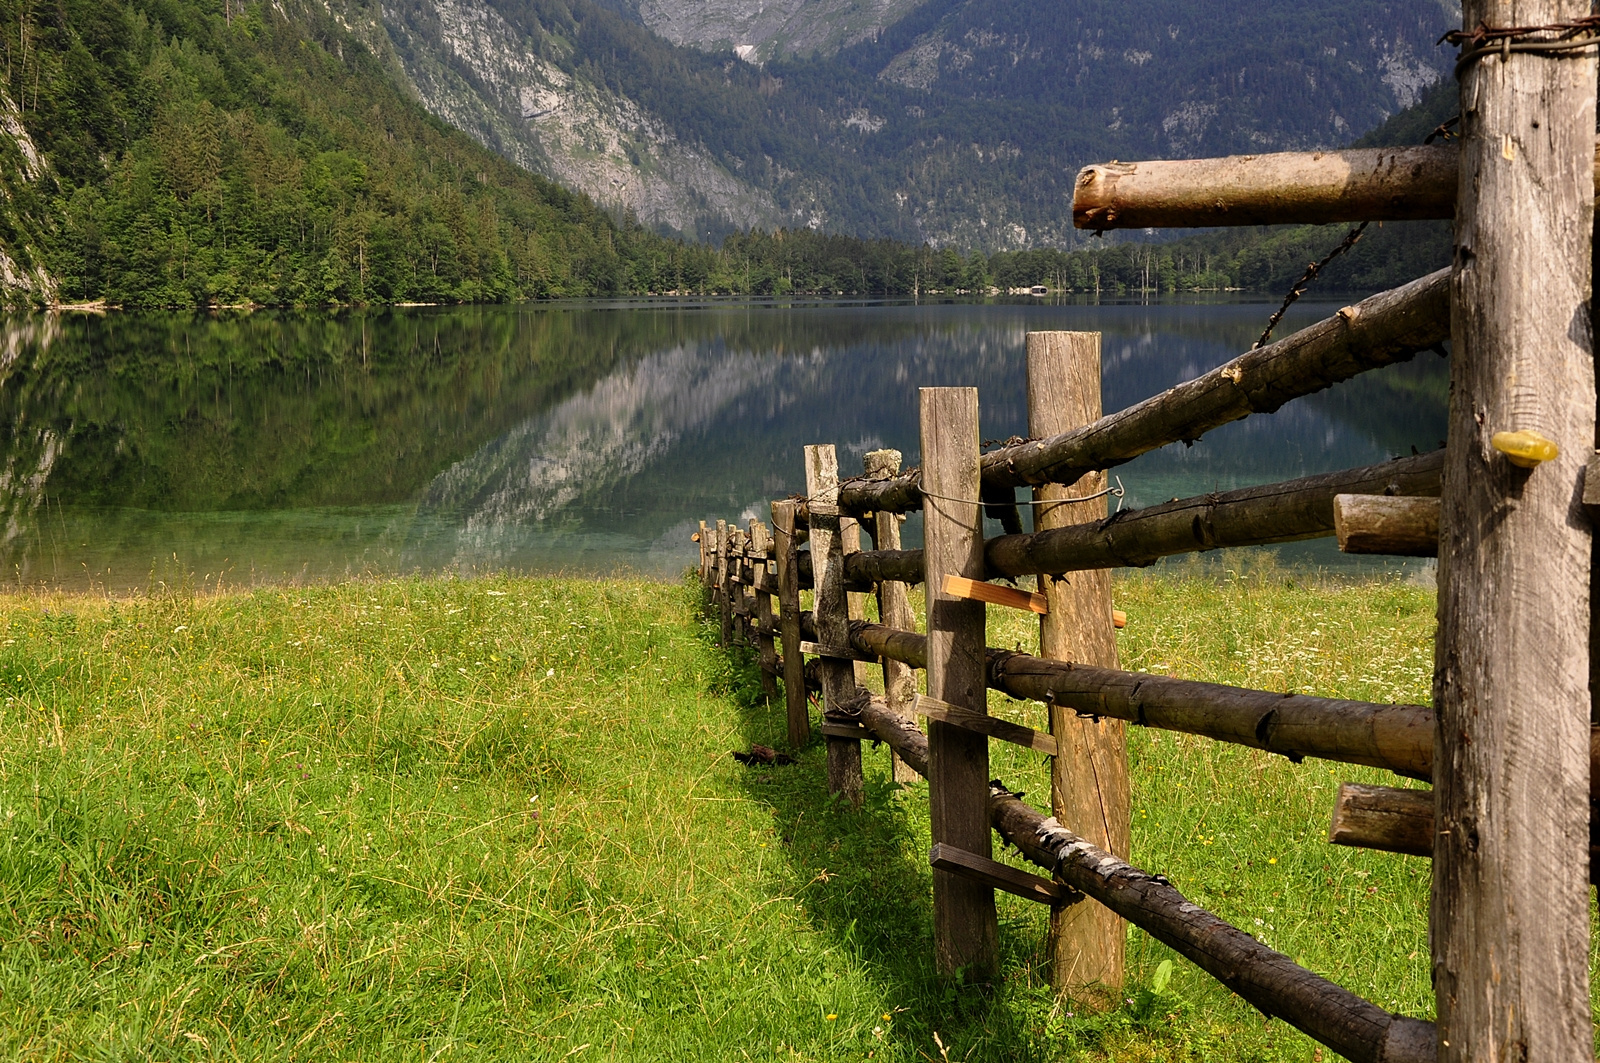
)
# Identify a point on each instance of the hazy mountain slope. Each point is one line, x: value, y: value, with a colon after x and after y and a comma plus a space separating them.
x: 770, y: 29
x: 961, y: 123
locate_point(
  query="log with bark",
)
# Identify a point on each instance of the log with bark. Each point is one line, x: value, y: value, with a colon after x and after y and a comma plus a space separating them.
x: 1250, y: 516
x: 1282, y: 188
x: 1269, y: 980
x: 1389, y: 327
x: 1396, y: 737
x: 1380, y: 524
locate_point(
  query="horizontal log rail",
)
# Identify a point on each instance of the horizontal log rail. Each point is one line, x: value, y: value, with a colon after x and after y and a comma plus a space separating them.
x: 1282, y: 188
x: 1251, y: 516
x: 1393, y: 820
x: 1389, y: 327
x: 1396, y: 737
x: 1381, y: 524
x: 1269, y: 980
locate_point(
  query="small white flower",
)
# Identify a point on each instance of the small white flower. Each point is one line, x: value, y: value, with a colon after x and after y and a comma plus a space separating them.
x: 549, y: 673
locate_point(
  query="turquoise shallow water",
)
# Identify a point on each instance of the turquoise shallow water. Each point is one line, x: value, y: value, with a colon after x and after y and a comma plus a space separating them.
x: 257, y: 448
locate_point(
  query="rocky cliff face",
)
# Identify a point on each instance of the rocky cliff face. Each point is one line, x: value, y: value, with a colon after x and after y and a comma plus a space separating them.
x: 515, y: 89
x: 759, y: 31
x: 956, y: 122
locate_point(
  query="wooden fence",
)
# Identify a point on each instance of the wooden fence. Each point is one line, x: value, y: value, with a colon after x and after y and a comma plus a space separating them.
x: 1507, y: 742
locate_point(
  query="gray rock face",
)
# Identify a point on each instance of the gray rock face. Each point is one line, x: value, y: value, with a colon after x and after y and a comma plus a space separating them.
x: 771, y: 29
x: 472, y: 67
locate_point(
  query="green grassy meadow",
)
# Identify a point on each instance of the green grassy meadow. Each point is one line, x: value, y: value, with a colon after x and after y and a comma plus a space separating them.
x: 497, y: 819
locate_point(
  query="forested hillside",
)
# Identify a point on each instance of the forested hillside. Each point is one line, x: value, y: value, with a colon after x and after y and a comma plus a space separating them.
x: 161, y: 153
x: 169, y: 152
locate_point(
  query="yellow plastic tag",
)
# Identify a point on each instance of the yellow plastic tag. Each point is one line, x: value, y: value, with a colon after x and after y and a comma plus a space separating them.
x: 1525, y: 448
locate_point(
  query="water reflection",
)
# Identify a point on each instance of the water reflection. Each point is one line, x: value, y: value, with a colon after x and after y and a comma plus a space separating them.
x: 271, y: 446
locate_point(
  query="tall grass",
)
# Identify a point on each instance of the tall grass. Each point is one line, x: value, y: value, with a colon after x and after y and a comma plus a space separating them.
x: 438, y: 819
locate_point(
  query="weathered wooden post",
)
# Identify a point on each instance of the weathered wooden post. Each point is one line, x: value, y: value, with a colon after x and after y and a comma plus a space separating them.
x: 794, y: 683
x: 831, y: 612
x: 894, y: 607
x: 724, y: 602
x: 964, y: 922
x: 1089, y: 790
x: 702, y: 538
x: 1509, y: 922
x: 760, y: 551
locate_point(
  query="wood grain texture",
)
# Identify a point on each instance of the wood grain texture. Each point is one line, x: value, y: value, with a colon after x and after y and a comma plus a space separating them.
x: 994, y: 594
x: 1299, y: 187
x: 1089, y: 786
x: 1383, y: 817
x: 894, y: 603
x: 1281, y: 188
x: 983, y: 723
x: 832, y: 617
x: 1384, y: 524
x: 1250, y: 516
x: 1269, y: 980
x: 1355, y: 1028
x: 794, y: 683
x: 1001, y: 876
x: 760, y: 550
x: 1509, y: 921
x: 965, y: 926
x: 1396, y: 737
x: 1389, y: 327
x: 724, y: 585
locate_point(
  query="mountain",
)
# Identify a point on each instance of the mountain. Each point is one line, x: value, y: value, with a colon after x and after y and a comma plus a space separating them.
x: 955, y: 122
x: 171, y: 152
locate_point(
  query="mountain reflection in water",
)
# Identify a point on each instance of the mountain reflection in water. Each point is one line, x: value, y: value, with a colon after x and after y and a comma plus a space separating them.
x: 272, y: 446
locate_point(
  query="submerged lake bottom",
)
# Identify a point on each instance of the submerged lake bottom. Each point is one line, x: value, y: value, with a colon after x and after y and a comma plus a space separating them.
x: 237, y: 450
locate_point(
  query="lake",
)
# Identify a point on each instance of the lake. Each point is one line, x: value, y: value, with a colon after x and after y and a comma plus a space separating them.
x: 249, y: 448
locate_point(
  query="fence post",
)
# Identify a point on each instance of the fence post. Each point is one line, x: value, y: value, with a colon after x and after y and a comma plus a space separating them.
x: 894, y: 607
x: 1089, y: 790
x: 721, y: 592
x: 831, y: 612
x: 703, y: 540
x: 794, y: 683
x: 760, y: 550
x: 964, y: 923
x: 1509, y: 922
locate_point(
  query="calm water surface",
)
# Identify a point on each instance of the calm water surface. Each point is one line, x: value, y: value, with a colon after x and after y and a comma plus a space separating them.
x: 290, y: 446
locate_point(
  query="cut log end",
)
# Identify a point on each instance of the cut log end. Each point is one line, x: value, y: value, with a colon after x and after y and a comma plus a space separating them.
x: 1397, y: 525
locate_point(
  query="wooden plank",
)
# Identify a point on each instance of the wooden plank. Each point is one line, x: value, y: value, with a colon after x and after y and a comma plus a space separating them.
x: 982, y: 723
x: 965, y: 927
x: 766, y: 652
x: 795, y: 703
x: 1509, y: 924
x: 852, y: 731
x: 894, y: 605
x: 979, y: 591
x: 1383, y: 817
x: 1013, y: 880
x: 724, y: 599
x: 838, y: 653
x: 1386, y: 328
x: 1387, y: 524
x: 1089, y: 785
x: 831, y: 613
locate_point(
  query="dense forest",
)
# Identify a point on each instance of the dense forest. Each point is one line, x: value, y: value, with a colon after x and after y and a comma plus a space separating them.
x: 200, y: 155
